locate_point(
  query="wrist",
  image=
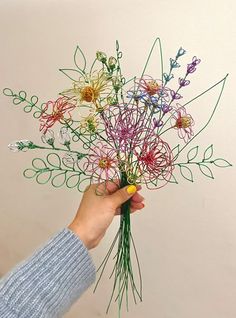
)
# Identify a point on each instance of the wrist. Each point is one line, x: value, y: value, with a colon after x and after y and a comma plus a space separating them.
x: 81, y: 233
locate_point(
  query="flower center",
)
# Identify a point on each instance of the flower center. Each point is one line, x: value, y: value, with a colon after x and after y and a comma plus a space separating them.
x: 152, y: 87
x: 91, y: 125
x: 57, y: 115
x: 89, y: 94
x: 183, y: 122
x: 104, y: 163
x: 149, y: 158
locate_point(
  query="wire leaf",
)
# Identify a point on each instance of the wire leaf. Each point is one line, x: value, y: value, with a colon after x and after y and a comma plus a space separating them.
x: 173, y: 179
x: 208, y: 153
x: 59, y: 179
x: 43, y: 176
x: 186, y: 172
x: 192, y: 154
x: 28, y: 104
x: 206, y: 170
x: 175, y: 152
x: 71, y: 73
x: 222, y: 163
x: 79, y: 55
x: 54, y: 160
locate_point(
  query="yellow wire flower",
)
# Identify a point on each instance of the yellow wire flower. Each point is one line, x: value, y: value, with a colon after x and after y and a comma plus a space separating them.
x: 90, y: 89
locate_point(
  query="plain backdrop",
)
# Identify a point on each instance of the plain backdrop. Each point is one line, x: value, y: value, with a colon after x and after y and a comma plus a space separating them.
x: 186, y: 236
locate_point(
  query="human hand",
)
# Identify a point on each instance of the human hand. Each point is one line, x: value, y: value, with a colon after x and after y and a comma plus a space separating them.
x: 96, y: 212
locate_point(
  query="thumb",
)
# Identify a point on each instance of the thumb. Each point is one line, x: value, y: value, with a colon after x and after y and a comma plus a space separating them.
x: 122, y: 195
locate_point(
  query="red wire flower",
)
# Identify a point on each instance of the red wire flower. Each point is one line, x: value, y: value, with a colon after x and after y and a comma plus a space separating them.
x: 57, y: 110
x: 155, y: 162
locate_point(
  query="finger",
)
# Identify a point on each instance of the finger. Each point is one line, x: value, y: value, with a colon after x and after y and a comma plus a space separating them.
x: 137, y: 197
x: 132, y: 210
x: 118, y: 211
x: 137, y: 206
x: 133, y: 207
x: 122, y: 195
x: 114, y: 185
x: 109, y: 186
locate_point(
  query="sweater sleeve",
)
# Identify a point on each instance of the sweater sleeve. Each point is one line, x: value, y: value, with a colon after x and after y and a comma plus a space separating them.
x: 50, y: 281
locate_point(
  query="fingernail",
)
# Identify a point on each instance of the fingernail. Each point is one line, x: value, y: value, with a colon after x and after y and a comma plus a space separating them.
x: 131, y: 189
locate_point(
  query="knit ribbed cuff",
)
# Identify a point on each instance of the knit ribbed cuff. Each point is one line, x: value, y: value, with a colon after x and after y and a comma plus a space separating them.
x: 47, y: 284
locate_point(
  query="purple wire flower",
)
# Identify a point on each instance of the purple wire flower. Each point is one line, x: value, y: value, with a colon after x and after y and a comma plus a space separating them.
x: 157, y: 123
x: 175, y: 95
x: 125, y: 125
x: 166, y: 108
x: 183, y: 82
x: 191, y: 67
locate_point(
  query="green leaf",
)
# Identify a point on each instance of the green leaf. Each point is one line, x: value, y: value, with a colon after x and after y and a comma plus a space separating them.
x: 83, y: 184
x: 72, y: 74
x: 186, y: 172
x: 192, y: 154
x: 175, y: 152
x: 59, y: 179
x: 73, y: 180
x: 54, y: 160
x: 44, y: 176
x: 206, y: 170
x: 208, y: 153
x: 30, y: 173
x: 79, y: 55
x: 39, y: 164
x: 117, y: 46
x: 173, y: 179
x: 8, y: 92
x: 222, y: 163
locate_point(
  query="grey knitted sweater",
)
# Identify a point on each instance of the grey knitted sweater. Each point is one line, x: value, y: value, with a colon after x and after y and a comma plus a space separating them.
x: 50, y: 281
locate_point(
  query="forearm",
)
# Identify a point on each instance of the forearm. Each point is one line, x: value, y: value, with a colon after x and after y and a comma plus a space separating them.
x: 47, y: 284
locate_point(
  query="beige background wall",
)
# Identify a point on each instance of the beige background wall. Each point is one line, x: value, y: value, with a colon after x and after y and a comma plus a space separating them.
x: 186, y: 236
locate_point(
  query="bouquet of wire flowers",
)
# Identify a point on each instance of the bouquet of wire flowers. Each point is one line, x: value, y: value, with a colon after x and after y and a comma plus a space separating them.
x: 114, y: 129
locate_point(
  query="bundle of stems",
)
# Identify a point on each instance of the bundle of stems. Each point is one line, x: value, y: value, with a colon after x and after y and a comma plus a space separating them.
x: 123, y: 273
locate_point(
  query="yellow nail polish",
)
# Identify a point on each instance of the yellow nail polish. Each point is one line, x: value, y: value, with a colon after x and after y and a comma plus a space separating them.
x: 131, y: 189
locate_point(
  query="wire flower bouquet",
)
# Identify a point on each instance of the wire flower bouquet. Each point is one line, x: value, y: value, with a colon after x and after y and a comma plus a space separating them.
x: 113, y: 129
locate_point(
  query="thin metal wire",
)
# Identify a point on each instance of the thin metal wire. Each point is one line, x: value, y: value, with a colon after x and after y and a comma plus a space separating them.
x: 119, y: 128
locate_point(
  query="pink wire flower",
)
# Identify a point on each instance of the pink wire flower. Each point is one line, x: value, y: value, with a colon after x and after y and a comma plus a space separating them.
x: 183, y: 122
x: 155, y: 161
x: 57, y: 111
x: 101, y: 163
